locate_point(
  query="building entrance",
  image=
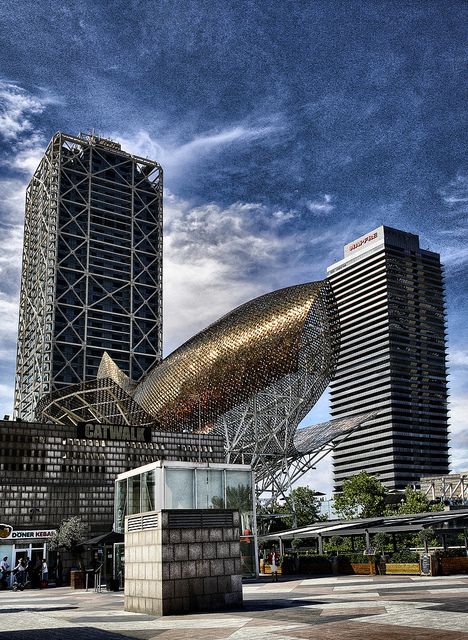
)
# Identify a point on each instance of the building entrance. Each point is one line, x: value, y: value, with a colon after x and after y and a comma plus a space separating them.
x: 31, y: 552
x: 34, y: 554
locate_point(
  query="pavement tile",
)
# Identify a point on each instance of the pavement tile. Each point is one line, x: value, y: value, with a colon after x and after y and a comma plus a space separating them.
x: 355, y: 631
x: 354, y: 611
x: 206, y: 634
x: 335, y: 608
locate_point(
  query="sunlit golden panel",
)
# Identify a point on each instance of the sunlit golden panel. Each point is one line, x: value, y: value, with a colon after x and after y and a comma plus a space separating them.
x: 253, y: 346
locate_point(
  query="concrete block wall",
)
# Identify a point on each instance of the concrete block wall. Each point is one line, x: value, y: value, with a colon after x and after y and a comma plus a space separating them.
x: 176, y: 569
x: 49, y: 474
x: 143, y: 571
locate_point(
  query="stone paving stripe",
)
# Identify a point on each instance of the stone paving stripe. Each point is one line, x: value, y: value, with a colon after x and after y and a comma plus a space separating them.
x: 402, y: 614
x: 398, y: 585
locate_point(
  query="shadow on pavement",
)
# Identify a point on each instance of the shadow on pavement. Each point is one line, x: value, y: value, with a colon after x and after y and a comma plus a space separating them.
x: 275, y: 603
x: 38, y: 609
x: 72, y: 633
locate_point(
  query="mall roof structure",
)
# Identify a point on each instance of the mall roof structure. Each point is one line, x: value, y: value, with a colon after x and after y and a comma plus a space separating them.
x: 441, y: 521
x: 252, y: 376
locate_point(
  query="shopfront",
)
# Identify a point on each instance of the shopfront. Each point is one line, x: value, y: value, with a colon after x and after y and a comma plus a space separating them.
x: 30, y: 544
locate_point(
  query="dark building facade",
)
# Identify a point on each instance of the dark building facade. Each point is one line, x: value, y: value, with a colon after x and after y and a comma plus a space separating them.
x: 390, y: 297
x: 92, y: 261
x: 49, y: 473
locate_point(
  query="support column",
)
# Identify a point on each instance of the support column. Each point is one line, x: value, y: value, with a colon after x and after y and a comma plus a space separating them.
x: 281, y: 547
x: 320, y: 543
x: 368, y: 542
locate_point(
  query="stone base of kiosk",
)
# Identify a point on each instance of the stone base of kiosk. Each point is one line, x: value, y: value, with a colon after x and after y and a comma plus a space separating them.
x: 180, y: 561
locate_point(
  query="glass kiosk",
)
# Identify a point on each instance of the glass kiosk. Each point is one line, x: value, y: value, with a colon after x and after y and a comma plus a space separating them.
x: 190, y: 485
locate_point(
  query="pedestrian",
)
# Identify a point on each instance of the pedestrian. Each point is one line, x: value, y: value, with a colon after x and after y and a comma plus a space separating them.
x: 4, y: 573
x: 273, y: 560
x: 20, y: 572
x: 35, y: 574
x: 44, y: 574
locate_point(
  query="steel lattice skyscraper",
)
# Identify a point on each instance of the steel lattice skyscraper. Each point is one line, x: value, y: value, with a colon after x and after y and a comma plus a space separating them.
x: 92, y: 267
x: 390, y: 297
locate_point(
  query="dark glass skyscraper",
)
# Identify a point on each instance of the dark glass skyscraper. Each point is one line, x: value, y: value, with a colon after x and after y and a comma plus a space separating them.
x: 92, y: 262
x: 390, y: 297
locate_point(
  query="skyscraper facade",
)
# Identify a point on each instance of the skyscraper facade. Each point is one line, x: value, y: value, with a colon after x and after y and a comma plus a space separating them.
x: 92, y: 267
x: 390, y: 296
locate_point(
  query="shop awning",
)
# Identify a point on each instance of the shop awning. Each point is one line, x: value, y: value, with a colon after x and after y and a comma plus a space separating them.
x: 106, y: 538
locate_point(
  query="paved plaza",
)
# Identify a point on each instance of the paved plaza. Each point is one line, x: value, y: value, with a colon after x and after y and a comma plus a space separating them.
x: 331, y: 608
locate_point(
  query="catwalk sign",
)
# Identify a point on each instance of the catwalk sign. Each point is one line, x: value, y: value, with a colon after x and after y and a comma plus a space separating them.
x: 93, y: 431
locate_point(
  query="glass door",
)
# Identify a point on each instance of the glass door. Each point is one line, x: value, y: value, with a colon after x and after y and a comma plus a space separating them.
x: 35, y: 566
x: 119, y: 563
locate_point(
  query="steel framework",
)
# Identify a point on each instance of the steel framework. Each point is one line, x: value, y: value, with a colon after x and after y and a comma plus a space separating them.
x: 252, y: 377
x: 275, y: 474
x: 92, y: 267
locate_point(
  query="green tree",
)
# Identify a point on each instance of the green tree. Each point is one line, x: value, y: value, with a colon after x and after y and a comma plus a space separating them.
x: 426, y: 536
x: 336, y: 542
x: 296, y: 543
x: 239, y: 498
x: 415, y: 502
x: 270, y: 518
x: 68, y: 536
x: 362, y: 496
x: 380, y: 541
x: 304, y: 503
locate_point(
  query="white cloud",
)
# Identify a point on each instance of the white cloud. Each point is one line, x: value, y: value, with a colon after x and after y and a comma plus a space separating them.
x: 458, y: 357
x: 17, y: 107
x: 454, y: 234
x: 11, y: 249
x: 458, y: 410
x: 284, y: 215
x: 455, y: 193
x: 321, y: 206
x: 9, y: 306
x: 18, y: 112
x: 174, y: 157
x: 28, y: 154
x: 6, y: 399
x: 12, y: 197
x: 455, y: 255
x: 216, y: 257
x: 210, y: 253
x: 24, y: 145
x: 320, y: 478
x: 205, y: 143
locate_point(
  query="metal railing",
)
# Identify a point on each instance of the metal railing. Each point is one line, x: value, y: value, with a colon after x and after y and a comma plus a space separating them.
x: 97, y: 573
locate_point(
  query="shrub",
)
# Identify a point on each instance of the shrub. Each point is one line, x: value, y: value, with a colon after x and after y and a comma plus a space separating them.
x: 288, y: 565
x: 314, y: 564
x: 405, y: 555
x: 296, y: 543
x: 356, y: 558
x: 381, y: 541
x: 453, y: 553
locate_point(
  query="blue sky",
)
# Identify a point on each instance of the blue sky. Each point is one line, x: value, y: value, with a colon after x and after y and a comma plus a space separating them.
x: 285, y: 130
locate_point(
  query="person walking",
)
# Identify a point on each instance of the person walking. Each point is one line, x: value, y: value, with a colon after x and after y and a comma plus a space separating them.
x: 273, y: 560
x: 20, y: 572
x: 44, y: 574
x: 4, y: 572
